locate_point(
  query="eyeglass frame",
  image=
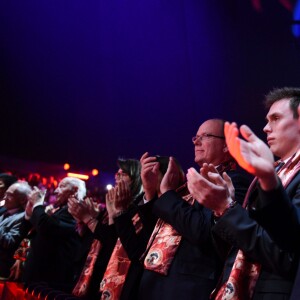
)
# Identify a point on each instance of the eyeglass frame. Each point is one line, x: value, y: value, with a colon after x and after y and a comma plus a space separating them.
x: 206, y: 136
x: 120, y: 175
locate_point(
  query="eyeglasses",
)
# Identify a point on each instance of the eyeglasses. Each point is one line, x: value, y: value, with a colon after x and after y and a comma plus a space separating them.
x: 120, y: 175
x: 206, y: 136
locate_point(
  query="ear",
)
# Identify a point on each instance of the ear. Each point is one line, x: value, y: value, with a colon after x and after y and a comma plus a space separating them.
x: 23, y: 201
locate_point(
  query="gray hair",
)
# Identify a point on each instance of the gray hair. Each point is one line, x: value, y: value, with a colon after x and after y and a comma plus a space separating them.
x: 80, y: 184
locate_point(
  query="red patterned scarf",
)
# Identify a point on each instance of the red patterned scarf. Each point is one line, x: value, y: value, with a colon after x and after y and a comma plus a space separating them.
x: 163, y: 245
x: 83, y: 283
x: 244, y: 274
x: 115, y: 275
x: 164, y: 241
x: 84, y: 280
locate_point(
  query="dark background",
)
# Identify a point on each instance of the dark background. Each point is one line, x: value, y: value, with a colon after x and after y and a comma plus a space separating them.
x: 86, y: 82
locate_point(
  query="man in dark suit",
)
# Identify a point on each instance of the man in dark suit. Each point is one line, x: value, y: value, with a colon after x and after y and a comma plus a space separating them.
x: 54, y: 239
x: 270, y: 270
x: 195, y: 265
x: 278, y: 205
x: 15, y: 199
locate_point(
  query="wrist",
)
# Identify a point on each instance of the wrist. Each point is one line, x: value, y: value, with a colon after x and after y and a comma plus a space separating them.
x: 87, y: 219
x: 38, y: 203
x: 118, y: 213
x: 164, y: 190
x: 149, y: 195
x: 230, y: 204
x: 269, y: 182
x: 92, y: 223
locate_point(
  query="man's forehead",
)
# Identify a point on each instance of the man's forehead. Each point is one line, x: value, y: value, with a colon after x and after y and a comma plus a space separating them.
x: 210, y: 127
x: 12, y: 188
x: 64, y: 181
x: 279, y: 107
x: 10, y: 192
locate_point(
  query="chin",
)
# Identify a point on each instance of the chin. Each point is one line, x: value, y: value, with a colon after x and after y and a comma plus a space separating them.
x: 274, y: 151
x: 198, y: 160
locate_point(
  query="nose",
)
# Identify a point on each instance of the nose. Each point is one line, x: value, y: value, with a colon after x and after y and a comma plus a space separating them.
x: 197, y: 141
x: 267, y: 128
x: 56, y: 191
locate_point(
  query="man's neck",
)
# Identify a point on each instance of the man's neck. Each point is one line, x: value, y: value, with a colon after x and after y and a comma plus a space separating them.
x: 13, y: 210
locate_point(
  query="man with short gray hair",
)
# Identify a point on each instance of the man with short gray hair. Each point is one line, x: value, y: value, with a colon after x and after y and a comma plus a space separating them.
x: 55, y: 241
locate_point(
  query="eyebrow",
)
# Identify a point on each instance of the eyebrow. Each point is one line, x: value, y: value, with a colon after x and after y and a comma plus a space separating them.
x: 273, y: 115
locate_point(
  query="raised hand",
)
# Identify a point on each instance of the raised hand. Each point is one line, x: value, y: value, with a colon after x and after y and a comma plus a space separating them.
x: 93, y: 207
x: 172, y: 178
x: 149, y: 175
x: 211, y: 174
x: 252, y: 154
x: 213, y: 193
x: 122, y: 196
x: 110, y: 205
x: 78, y: 209
x: 37, y: 196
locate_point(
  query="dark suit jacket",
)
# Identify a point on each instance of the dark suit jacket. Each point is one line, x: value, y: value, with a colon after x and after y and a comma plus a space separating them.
x: 10, y: 238
x: 106, y: 234
x: 135, y: 244
x: 54, y: 245
x: 196, y: 266
x: 278, y: 211
x: 241, y: 231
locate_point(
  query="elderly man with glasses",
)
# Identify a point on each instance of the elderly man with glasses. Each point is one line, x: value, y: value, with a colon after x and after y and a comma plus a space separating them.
x: 186, y: 264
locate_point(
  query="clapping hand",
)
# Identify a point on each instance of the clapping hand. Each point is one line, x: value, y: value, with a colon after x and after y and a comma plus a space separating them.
x: 36, y: 197
x: 149, y: 175
x: 122, y: 195
x: 252, y: 154
x: 209, y: 172
x: 118, y: 199
x: 92, y: 207
x: 78, y: 209
x: 209, y: 189
x: 173, y: 177
x: 110, y: 205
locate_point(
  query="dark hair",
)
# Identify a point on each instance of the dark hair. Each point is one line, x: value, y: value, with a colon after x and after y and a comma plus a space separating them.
x: 290, y: 93
x: 132, y: 167
x: 8, y: 179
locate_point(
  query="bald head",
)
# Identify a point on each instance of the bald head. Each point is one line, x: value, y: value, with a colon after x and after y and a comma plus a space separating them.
x: 210, y: 145
x: 17, y: 195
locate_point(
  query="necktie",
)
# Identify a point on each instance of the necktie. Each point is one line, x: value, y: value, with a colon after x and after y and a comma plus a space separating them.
x: 279, y: 165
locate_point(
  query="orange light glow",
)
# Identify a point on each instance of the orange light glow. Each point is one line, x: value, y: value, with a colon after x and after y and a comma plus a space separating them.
x: 66, y: 166
x: 80, y: 176
x: 95, y: 172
